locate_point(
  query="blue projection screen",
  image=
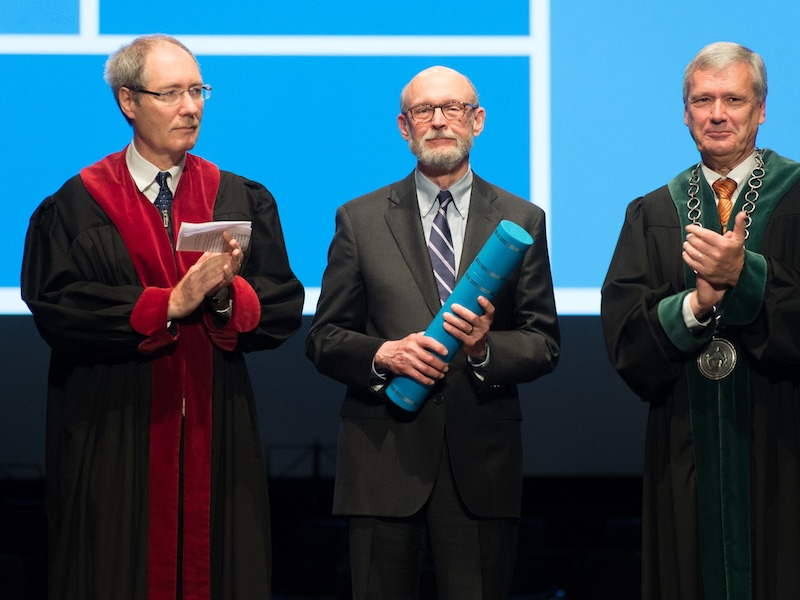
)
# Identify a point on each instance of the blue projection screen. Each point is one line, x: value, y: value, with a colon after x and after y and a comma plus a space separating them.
x: 583, y: 104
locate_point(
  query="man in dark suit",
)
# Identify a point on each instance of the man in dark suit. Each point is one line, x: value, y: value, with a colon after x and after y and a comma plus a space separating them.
x: 451, y: 473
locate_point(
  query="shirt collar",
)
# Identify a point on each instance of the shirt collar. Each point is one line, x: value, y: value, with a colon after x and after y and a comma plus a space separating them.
x: 740, y: 173
x: 144, y: 172
x: 427, y: 192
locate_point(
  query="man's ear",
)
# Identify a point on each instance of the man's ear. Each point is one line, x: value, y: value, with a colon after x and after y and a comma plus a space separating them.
x: 126, y: 103
x: 478, y: 121
x: 402, y: 124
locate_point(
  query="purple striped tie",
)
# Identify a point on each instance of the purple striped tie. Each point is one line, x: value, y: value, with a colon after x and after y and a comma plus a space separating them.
x: 440, y: 246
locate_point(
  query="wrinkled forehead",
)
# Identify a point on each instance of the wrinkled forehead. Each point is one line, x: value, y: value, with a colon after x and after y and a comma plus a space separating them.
x: 167, y: 63
x: 733, y: 78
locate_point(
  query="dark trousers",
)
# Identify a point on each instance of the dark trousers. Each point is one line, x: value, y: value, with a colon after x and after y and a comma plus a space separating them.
x: 473, y: 557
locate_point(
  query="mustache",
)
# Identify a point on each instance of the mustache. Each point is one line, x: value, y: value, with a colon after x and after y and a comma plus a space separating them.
x: 189, y: 122
x: 436, y: 135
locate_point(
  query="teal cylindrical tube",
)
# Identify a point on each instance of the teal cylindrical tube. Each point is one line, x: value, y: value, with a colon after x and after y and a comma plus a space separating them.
x: 500, y: 255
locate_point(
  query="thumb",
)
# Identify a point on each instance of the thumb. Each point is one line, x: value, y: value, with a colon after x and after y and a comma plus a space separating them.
x: 738, y: 227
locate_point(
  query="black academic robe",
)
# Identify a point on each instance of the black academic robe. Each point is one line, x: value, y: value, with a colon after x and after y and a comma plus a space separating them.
x: 646, y: 269
x: 97, y: 272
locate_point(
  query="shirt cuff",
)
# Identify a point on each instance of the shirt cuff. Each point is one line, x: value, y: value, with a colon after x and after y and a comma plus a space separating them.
x: 691, y: 321
x: 379, y: 378
x: 479, y: 365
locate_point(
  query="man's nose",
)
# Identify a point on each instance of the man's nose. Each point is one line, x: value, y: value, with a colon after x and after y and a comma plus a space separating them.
x: 189, y: 104
x: 718, y: 110
x: 438, y: 117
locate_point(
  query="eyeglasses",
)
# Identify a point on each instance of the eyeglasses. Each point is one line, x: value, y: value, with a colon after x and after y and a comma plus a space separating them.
x: 196, y: 93
x: 452, y: 111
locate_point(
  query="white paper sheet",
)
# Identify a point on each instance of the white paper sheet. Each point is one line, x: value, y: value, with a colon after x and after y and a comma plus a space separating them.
x: 207, y: 237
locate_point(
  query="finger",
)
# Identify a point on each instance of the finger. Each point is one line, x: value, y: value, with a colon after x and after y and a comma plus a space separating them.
x: 426, y: 377
x: 236, y: 261
x: 462, y: 312
x: 465, y: 333
x: 232, y: 243
x: 485, y: 304
x: 696, y: 234
x: 430, y: 344
x: 430, y: 366
x: 739, y: 230
x: 695, y: 245
x: 465, y: 319
x: 227, y: 271
x: 455, y: 320
x: 690, y: 261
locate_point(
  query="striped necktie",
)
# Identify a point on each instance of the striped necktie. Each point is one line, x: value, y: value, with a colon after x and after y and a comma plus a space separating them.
x: 440, y: 246
x: 724, y: 188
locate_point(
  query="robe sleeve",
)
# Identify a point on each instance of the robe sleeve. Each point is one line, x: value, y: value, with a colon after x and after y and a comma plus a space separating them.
x: 646, y: 339
x: 79, y: 282
x: 267, y: 297
x: 764, y: 308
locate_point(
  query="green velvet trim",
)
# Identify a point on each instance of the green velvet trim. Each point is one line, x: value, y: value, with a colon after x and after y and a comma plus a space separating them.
x: 719, y: 411
x: 721, y: 435
x: 743, y: 303
x: 670, y: 314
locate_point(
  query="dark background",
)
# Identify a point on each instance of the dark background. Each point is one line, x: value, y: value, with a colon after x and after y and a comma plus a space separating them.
x: 583, y: 434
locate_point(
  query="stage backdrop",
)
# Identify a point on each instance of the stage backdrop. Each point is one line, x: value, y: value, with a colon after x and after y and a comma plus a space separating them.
x: 584, y: 114
x: 306, y: 94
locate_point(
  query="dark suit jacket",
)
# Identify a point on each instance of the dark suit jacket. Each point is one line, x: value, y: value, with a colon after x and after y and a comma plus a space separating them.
x: 379, y: 286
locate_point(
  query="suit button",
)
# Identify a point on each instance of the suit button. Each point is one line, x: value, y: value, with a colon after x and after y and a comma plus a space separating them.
x: 438, y: 399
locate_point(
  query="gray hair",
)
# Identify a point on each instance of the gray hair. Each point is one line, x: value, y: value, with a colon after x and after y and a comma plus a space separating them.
x: 720, y: 55
x: 126, y: 67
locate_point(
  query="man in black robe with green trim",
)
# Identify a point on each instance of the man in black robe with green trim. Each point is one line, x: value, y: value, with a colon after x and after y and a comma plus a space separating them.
x: 700, y: 318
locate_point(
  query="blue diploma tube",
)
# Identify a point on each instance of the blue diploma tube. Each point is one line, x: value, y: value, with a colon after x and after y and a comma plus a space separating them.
x: 500, y: 255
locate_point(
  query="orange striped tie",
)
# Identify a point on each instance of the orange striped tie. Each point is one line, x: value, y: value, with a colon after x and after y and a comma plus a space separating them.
x: 724, y: 188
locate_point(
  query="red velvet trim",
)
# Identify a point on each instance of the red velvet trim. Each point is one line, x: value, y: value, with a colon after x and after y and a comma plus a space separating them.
x: 244, y: 317
x: 197, y: 478
x: 247, y: 312
x: 137, y: 220
x: 159, y: 269
x: 165, y: 435
x: 148, y: 318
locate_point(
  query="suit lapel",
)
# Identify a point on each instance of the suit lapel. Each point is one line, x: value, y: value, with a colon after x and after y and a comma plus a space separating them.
x: 482, y: 221
x: 403, y: 220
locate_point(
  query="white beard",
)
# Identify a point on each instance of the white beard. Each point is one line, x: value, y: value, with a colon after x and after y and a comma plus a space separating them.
x: 444, y: 159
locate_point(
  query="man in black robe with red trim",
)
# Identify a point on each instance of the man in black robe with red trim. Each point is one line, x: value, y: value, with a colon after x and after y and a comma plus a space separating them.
x: 156, y: 486
x: 700, y: 310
